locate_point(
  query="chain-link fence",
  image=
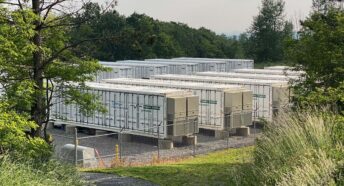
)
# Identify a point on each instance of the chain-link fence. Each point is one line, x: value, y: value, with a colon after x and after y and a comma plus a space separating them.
x: 90, y: 148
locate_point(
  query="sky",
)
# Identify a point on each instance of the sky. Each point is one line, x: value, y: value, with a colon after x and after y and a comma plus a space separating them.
x: 221, y: 16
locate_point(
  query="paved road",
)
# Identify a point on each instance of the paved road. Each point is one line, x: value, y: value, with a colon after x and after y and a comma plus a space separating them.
x: 100, y: 179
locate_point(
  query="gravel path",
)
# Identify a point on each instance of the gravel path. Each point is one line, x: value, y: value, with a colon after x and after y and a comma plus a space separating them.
x: 100, y: 179
x: 144, y: 150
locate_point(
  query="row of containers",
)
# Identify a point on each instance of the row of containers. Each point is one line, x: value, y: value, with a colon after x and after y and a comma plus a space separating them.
x: 169, y: 106
x: 186, y: 66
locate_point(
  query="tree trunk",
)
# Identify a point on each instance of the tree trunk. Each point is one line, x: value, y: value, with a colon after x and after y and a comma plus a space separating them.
x: 38, y: 107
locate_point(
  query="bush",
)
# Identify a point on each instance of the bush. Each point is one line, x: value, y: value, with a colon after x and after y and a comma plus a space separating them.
x: 15, y: 142
x: 300, y: 149
x: 28, y: 173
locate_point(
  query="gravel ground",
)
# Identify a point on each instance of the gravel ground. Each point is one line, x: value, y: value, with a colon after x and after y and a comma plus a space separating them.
x: 144, y: 150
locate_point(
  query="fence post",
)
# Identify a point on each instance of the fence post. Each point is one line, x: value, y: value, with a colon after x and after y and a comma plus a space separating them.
x: 120, y: 144
x: 254, y: 121
x: 227, y: 139
x: 76, y: 146
x: 159, y: 140
x: 194, y: 135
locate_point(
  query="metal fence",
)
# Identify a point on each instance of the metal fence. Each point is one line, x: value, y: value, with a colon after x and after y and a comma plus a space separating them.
x: 102, y: 149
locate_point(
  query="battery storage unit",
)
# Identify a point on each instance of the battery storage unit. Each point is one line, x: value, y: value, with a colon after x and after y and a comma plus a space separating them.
x: 143, y: 71
x: 187, y: 68
x: 263, y: 91
x: 221, y: 106
x: 115, y: 72
x: 248, y: 76
x: 203, y: 66
x: 270, y: 72
x: 133, y: 110
x: 231, y: 64
x: 279, y: 68
x: 173, y: 67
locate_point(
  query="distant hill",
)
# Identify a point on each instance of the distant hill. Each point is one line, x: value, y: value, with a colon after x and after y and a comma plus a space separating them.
x: 139, y: 37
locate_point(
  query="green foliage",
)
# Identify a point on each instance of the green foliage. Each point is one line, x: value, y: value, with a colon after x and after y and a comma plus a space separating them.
x: 37, y: 58
x: 320, y: 52
x: 42, y: 174
x: 268, y: 32
x: 14, y: 141
x: 141, y: 37
x: 300, y: 149
x: 88, y: 102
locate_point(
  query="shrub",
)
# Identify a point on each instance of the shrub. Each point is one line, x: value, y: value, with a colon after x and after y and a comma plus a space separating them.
x: 28, y: 173
x: 14, y: 141
x: 299, y: 149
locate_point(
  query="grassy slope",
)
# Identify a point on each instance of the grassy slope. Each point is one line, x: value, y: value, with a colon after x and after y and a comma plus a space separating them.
x: 219, y: 168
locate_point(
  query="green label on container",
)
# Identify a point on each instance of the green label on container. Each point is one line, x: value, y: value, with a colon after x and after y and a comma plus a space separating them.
x: 149, y: 107
x: 208, y: 102
x: 259, y: 96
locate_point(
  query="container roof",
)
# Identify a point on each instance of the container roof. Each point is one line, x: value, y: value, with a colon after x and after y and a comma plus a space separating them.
x: 249, y: 76
x: 219, y: 79
x: 131, y: 64
x: 174, y: 84
x: 137, y: 89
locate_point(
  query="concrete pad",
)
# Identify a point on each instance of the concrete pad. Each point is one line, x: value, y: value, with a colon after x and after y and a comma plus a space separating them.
x: 190, y: 140
x: 85, y: 155
x: 177, y: 139
x: 70, y: 129
x: 165, y: 144
x: 221, y: 134
x: 243, y: 131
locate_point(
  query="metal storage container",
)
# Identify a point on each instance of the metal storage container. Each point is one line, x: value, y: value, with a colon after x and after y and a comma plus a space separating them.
x: 248, y: 76
x: 173, y: 67
x: 217, y: 102
x: 133, y: 109
x: 231, y: 64
x: 279, y: 68
x: 141, y: 70
x: 262, y: 90
x: 203, y: 66
x: 115, y: 72
x: 269, y: 72
x: 186, y: 68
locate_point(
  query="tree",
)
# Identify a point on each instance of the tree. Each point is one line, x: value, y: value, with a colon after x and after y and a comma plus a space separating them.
x: 38, y: 58
x: 140, y: 37
x: 268, y: 32
x: 320, y: 53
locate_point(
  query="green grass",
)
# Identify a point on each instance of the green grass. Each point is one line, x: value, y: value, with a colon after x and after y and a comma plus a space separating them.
x: 219, y: 168
x: 52, y: 173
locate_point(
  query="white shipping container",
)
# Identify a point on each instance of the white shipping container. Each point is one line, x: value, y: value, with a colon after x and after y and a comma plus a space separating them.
x: 173, y: 67
x: 186, y: 68
x: 279, y: 68
x: 270, y: 72
x: 115, y: 72
x: 248, y: 76
x: 133, y: 109
x: 263, y: 106
x: 212, y: 114
x: 203, y: 66
x: 141, y: 70
x: 231, y: 64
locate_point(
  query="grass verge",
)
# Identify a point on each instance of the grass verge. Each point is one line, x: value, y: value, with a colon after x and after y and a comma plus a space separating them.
x: 218, y: 168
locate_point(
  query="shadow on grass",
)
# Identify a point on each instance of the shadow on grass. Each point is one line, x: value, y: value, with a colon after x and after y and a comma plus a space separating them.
x: 192, y: 174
